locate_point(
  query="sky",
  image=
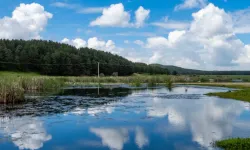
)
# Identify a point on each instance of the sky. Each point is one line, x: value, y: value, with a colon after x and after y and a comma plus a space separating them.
x: 196, y: 34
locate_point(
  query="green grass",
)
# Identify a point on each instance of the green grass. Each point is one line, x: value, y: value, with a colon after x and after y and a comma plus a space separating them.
x: 234, y: 144
x: 242, y: 95
x: 16, y: 74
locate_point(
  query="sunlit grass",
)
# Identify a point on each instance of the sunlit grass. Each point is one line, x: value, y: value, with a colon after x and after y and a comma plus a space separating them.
x: 234, y: 144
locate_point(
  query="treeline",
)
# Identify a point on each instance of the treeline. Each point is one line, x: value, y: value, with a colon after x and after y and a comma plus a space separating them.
x: 52, y: 58
x: 183, y: 71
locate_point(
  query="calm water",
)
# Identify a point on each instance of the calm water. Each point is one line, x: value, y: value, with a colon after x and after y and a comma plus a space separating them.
x: 124, y: 119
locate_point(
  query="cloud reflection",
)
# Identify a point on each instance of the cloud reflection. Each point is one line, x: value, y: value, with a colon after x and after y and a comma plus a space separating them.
x: 209, y: 119
x: 140, y: 138
x: 113, y: 138
x: 25, y: 132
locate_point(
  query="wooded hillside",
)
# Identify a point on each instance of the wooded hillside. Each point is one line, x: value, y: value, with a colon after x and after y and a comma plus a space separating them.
x: 52, y: 58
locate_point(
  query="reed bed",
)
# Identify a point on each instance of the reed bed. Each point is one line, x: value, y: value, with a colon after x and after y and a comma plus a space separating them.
x: 12, y: 88
x: 14, y: 85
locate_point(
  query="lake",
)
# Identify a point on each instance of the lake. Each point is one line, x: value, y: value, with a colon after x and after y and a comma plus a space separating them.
x: 121, y: 118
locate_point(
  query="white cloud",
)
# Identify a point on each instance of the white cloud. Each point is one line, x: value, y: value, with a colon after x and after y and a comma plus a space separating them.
x: 78, y: 8
x: 141, y: 15
x: 91, y: 10
x: 139, y: 42
x: 241, y: 21
x: 146, y: 34
x: 245, y: 56
x: 209, y: 43
x: 116, y: 16
x: 162, y: 42
x: 171, y: 24
x: 113, y: 138
x: 188, y: 4
x: 211, y: 21
x: 93, y: 42
x: 64, y: 5
x: 78, y: 43
x: 27, y: 22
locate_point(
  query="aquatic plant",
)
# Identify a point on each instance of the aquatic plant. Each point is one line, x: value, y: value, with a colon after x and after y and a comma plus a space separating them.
x: 152, y: 82
x: 169, y: 83
x: 234, y: 144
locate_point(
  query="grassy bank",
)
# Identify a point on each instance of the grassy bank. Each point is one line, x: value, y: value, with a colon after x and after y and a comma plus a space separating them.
x: 242, y: 94
x: 234, y: 144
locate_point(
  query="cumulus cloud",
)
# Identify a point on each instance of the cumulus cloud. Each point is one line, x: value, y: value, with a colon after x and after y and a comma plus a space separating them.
x: 208, y: 42
x: 27, y: 22
x: 113, y: 138
x: 93, y: 42
x: 188, y: 4
x: 116, y: 16
x: 78, y: 43
x: 141, y: 15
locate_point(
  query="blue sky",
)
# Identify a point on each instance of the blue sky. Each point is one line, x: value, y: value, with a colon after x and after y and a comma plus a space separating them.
x: 200, y: 34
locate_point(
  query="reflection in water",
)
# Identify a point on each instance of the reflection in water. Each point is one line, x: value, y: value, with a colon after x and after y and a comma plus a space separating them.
x: 140, y: 138
x: 25, y: 132
x: 102, y: 109
x: 208, y: 118
x: 113, y: 138
x: 98, y: 92
x: 176, y: 119
x: 67, y: 102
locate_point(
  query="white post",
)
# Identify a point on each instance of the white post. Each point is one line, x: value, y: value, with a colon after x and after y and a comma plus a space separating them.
x: 98, y: 69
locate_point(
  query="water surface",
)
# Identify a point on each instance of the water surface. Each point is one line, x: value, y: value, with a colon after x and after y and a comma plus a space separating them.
x: 124, y: 119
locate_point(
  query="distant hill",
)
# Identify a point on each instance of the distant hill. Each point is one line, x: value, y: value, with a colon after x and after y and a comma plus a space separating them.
x: 184, y: 71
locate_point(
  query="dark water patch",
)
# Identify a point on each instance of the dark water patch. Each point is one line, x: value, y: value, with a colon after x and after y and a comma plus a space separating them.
x: 97, y: 92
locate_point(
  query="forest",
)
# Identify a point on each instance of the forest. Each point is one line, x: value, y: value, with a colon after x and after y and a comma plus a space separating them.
x: 53, y: 58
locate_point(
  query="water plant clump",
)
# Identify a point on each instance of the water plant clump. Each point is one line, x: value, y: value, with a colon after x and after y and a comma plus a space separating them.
x: 137, y: 82
x: 234, y: 144
x: 152, y: 82
x: 11, y: 91
x: 169, y: 83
